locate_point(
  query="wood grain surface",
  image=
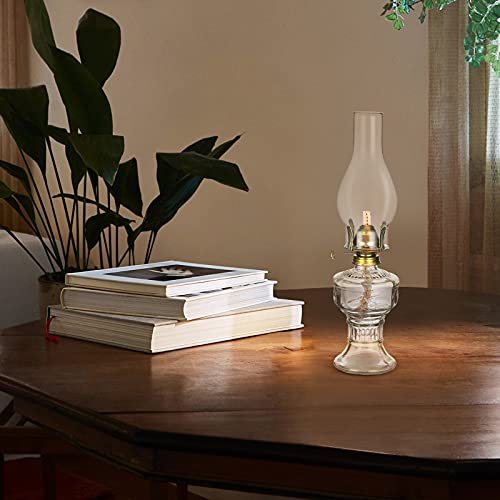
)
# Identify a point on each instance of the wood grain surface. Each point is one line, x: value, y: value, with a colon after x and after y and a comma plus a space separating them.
x: 278, y: 395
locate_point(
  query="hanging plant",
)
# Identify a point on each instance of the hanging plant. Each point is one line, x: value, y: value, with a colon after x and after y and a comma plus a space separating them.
x: 483, y: 27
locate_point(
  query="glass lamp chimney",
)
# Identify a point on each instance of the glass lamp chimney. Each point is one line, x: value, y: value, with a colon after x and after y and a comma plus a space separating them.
x: 367, y: 196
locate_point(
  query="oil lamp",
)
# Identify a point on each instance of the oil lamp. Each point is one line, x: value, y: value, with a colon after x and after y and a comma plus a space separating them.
x: 367, y: 203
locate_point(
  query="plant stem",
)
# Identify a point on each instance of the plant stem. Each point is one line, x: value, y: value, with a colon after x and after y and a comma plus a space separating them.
x: 96, y: 196
x: 23, y: 246
x: 151, y: 243
x: 65, y: 205
x: 77, y: 210
x: 36, y: 231
x: 146, y: 257
x: 51, y: 201
x: 45, y: 219
x: 110, y: 236
x: 117, y: 209
x: 84, y: 217
x: 68, y: 242
x: 122, y: 258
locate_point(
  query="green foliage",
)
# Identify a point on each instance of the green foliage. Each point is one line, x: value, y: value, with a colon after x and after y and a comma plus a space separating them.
x: 126, y: 189
x: 100, y: 153
x: 483, y: 28
x: 99, y: 40
x: 102, y: 185
x: 98, y: 223
x: 86, y: 104
x: 25, y: 113
x: 196, y: 164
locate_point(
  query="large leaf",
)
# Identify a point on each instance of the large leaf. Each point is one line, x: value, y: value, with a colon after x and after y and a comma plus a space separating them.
x: 59, y: 134
x: 25, y: 113
x: 86, y: 103
x: 100, y: 153
x: 98, y: 223
x: 165, y: 206
x: 41, y: 31
x: 167, y: 176
x: 31, y: 104
x: 5, y: 191
x: 223, y: 148
x: 126, y: 189
x: 199, y: 165
x: 82, y: 199
x: 76, y: 165
x: 18, y: 200
x: 94, y: 180
x: 17, y: 172
x: 203, y: 146
x: 99, y: 40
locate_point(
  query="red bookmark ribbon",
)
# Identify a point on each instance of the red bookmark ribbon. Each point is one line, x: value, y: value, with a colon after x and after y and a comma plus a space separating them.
x: 48, y: 336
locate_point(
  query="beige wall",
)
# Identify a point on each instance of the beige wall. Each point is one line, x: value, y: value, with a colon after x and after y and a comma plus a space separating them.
x: 289, y: 73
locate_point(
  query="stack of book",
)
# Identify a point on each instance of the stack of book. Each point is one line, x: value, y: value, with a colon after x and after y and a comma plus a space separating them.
x: 170, y: 305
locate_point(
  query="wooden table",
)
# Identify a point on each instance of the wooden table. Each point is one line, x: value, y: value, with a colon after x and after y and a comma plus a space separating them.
x: 271, y: 413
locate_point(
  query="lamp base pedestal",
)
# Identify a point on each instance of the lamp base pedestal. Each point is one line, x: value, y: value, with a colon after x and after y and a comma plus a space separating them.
x: 365, y: 353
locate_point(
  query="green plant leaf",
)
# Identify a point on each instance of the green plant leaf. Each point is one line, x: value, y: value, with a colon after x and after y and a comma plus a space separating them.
x: 5, y: 191
x: 60, y: 135
x: 223, y: 148
x: 195, y: 164
x: 86, y: 103
x: 99, y: 41
x: 25, y: 113
x: 94, y: 180
x: 203, y: 146
x: 126, y: 189
x: 83, y: 199
x: 96, y: 224
x: 391, y: 17
x: 76, y: 165
x: 165, y: 206
x: 41, y: 30
x: 31, y: 104
x: 167, y: 177
x: 100, y: 153
x: 398, y: 24
x: 17, y: 200
x: 18, y: 173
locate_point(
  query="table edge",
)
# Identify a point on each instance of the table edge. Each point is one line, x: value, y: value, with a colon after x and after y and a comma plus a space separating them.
x: 280, y: 452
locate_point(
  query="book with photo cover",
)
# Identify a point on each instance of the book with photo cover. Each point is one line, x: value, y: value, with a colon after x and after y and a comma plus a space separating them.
x: 182, y: 307
x: 152, y: 335
x: 165, y: 279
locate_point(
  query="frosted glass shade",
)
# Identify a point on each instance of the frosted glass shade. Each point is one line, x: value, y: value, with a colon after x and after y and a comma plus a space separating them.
x: 367, y: 185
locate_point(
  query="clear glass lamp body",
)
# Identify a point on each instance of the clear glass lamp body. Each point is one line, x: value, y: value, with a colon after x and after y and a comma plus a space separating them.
x: 365, y: 294
x: 367, y: 203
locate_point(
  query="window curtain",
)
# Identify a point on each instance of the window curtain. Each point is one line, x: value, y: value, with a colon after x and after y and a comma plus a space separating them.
x: 13, y: 73
x: 464, y: 161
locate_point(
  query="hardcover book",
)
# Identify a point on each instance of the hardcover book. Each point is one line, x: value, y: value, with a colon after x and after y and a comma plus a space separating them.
x: 165, y: 279
x: 182, y: 307
x: 152, y: 335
